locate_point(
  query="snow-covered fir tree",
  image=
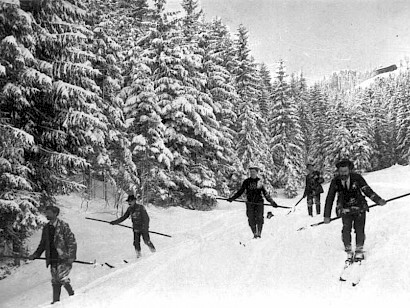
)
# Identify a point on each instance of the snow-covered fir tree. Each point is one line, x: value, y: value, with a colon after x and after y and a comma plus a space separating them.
x: 374, y: 97
x: 186, y: 112
x: 48, y: 72
x: 362, y: 137
x: 265, y: 90
x: 299, y: 92
x: 251, y: 142
x: 115, y: 163
x: 221, y: 88
x: 337, y: 140
x: 318, y: 103
x: 286, y: 141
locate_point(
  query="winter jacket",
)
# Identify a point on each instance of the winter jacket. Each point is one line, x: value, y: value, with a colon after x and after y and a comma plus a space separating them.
x: 254, y: 189
x: 63, y: 243
x: 313, y: 184
x: 350, y: 198
x: 139, y: 217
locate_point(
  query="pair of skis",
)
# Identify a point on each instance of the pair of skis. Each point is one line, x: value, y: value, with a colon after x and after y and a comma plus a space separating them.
x: 95, y: 263
x: 352, y: 270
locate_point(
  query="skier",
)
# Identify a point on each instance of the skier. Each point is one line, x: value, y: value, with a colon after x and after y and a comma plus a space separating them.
x: 60, y: 246
x: 351, y: 205
x: 313, y: 189
x: 140, y: 223
x: 254, y: 205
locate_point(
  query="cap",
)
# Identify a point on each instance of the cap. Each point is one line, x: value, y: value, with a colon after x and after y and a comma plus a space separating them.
x: 131, y: 198
x: 345, y: 163
x: 255, y: 167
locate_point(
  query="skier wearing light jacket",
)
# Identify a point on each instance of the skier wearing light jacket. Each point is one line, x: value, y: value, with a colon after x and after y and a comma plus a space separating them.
x: 351, y: 204
x: 254, y: 207
x: 140, y: 224
x: 60, y: 246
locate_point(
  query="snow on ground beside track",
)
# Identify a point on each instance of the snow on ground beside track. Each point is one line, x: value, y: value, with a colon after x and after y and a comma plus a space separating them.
x: 212, y: 260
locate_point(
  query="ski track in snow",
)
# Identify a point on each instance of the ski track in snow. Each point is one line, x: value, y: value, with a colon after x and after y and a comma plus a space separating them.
x: 205, y: 264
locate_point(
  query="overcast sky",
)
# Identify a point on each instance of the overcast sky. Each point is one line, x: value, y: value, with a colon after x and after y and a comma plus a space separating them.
x: 319, y: 36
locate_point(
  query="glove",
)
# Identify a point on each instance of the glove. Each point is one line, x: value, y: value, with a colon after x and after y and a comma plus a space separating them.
x: 229, y: 200
x: 112, y: 222
x: 31, y: 257
x: 382, y: 202
x: 70, y: 261
x: 273, y: 203
x: 327, y: 220
x: 269, y: 216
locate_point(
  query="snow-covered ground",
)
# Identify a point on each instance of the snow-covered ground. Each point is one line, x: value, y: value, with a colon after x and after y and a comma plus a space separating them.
x: 204, y: 263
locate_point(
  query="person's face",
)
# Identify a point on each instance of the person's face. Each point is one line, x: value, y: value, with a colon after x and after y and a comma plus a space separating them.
x: 131, y: 202
x: 344, y: 172
x: 254, y: 173
x: 50, y: 215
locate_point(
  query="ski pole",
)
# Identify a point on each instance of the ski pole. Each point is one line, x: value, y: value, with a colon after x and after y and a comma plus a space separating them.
x: 338, y: 217
x: 42, y: 258
x: 255, y: 203
x: 121, y: 225
x: 293, y: 209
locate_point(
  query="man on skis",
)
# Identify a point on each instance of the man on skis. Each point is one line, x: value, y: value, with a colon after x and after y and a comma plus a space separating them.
x: 254, y: 188
x: 140, y: 224
x: 60, y: 246
x: 313, y: 189
x: 351, y: 205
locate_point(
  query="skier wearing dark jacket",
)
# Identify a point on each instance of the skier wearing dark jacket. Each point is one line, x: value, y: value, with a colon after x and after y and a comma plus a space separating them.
x: 140, y: 224
x: 60, y: 248
x: 351, y: 204
x: 254, y: 189
x: 313, y: 189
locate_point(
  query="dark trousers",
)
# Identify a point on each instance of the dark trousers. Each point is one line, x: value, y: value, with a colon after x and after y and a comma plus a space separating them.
x: 357, y: 221
x: 313, y: 199
x: 255, y: 215
x: 59, y: 277
x: 145, y: 237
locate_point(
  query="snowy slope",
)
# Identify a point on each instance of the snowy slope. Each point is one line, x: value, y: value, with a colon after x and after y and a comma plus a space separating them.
x: 204, y: 263
x: 368, y: 82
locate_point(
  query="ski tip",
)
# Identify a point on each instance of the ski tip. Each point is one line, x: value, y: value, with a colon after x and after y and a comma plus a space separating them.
x: 109, y: 265
x: 342, y: 279
x: 125, y: 261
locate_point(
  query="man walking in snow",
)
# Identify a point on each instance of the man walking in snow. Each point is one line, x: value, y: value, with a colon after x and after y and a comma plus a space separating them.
x: 351, y: 205
x: 60, y: 246
x: 140, y: 224
x: 254, y: 188
x: 313, y: 189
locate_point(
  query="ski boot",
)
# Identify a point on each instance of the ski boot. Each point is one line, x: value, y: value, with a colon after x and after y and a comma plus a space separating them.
x: 359, y: 256
x: 259, y: 230
x: 317, y: 209
x: 310, y: 211
x: 69, y: 289
x: 56, y: 293
x: 151, y: 247
x: 254, y: 231
x: 350, y: 256
x: 139, y: 255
